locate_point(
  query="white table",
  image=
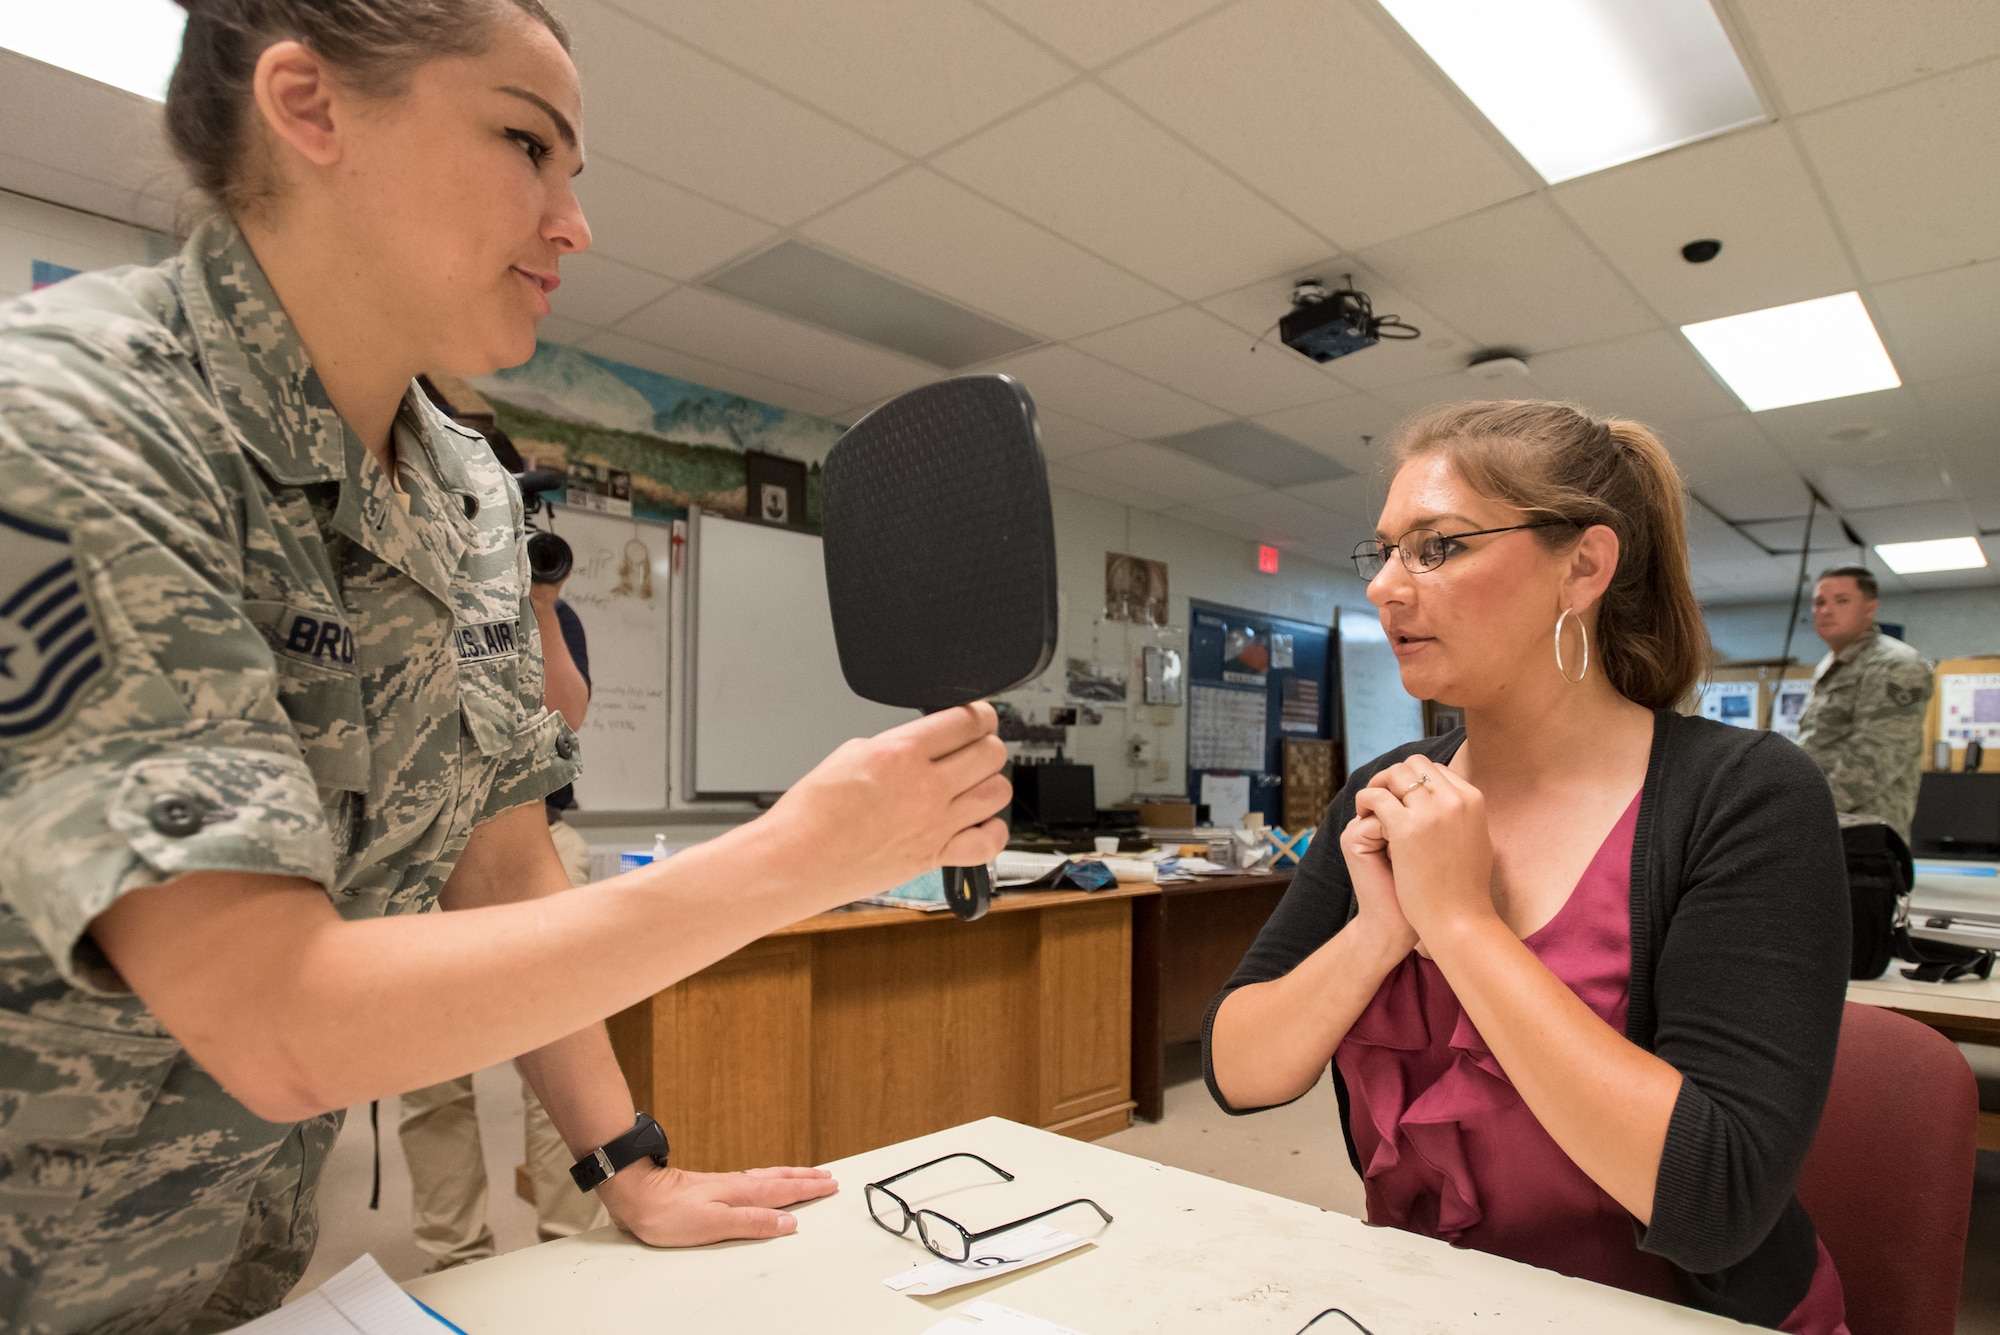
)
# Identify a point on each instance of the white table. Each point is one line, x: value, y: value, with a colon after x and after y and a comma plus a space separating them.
x: 1186, y: 1254
x: 1965, y: 1012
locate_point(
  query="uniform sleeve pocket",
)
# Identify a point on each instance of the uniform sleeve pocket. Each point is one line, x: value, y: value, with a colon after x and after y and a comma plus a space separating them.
x: 65, y: 1091
x: 489, y: 696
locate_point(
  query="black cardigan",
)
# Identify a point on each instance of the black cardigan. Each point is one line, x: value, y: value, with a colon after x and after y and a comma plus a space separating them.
x: 1740, y: 951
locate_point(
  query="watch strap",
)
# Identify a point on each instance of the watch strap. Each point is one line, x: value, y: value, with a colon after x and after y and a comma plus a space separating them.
x: 646, y: 1140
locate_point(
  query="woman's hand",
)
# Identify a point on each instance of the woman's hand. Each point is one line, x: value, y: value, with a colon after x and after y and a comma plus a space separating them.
x: 1365, y: 848
x: 883, y: 810
x: 1434, y: 823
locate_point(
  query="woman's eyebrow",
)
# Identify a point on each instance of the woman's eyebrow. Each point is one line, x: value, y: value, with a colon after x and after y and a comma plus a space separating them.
x: 563, y: 128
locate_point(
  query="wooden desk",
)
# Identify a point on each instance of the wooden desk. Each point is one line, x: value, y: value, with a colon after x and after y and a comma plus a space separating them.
x: 1186, y: 941
x: 863, y: 1027
x: 1967, y: 1012
x: 1186, y: 1255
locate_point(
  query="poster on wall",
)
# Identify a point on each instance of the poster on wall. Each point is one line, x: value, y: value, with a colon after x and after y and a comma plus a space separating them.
x: 1164, y: 672
x: 1097, y: 683
x: 1969, y: 708
x: 1731, y: 702
x: 1788, y: 705
x: 1135, y: 589
x: 1226, y: 729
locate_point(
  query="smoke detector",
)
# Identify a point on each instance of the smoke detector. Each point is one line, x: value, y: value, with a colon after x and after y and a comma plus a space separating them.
x: 1496, y: 365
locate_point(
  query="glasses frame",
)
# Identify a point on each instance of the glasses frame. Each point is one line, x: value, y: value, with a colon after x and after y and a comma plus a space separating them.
x: 923, y: 1218
x: 1334, y: 1311
x: 1373, y: 549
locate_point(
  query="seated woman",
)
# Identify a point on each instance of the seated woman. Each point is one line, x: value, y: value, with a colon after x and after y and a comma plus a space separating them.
x: 1579, y: 966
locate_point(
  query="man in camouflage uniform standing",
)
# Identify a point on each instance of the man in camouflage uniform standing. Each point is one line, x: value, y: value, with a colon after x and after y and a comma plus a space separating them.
x: 1864, y: 721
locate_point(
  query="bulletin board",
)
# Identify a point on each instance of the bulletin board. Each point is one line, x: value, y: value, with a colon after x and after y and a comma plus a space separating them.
x: 1254, y: 680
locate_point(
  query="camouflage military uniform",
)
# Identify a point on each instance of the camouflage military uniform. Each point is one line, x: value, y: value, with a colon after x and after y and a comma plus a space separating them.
x: 225, y: 644
x: 1864, y: 725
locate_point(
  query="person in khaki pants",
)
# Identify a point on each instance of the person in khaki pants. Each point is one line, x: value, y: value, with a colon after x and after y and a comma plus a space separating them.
x: 440, y: 1123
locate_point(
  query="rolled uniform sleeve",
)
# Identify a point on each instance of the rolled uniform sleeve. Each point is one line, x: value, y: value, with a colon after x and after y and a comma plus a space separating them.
x: 158, y: 746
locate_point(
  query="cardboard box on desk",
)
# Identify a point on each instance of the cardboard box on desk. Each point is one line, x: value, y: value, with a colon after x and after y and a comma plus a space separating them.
x: 1169, y: 815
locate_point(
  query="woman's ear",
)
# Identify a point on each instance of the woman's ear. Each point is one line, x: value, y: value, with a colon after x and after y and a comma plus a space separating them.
x: 1592, y: 564
x: 295, y: 94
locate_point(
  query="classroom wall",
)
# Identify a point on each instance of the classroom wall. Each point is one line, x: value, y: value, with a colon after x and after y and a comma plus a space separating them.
x: 31, y: 230
x: 1201, y: 564
x: 1946, y: 623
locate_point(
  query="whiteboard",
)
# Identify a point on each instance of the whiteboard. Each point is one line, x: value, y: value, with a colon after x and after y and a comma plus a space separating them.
x: 625, y: 620
x: 1378, y: 713
x: 769, y: 698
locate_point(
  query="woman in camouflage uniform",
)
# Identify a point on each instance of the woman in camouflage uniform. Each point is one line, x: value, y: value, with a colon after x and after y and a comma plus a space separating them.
x: 270, y: 689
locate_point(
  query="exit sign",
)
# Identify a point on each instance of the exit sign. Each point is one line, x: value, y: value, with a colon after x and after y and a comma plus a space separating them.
x: 1267, y: 560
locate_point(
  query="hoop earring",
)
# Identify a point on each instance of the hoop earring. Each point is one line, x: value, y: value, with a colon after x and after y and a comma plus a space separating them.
x: 1583, y: 670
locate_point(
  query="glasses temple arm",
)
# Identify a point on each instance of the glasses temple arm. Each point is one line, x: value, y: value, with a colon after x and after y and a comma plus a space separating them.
x: 898, y: 1177
x: 1053, y: 1209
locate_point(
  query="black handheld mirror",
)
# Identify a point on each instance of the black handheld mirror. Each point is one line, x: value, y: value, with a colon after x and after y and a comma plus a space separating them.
x: 941, y: 556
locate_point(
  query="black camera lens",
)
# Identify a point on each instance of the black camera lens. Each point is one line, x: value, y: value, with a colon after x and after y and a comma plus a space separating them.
x: 549, y: 558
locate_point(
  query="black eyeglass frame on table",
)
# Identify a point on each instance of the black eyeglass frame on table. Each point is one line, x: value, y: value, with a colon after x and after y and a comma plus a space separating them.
x: 1334, y: 1311
x: 1376, y: 551
x: 965, y: 1238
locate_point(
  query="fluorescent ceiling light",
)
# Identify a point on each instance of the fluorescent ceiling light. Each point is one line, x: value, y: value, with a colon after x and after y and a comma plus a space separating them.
x: 1917, y: 558
x: 1581, y: 85
x: 1826, y: 348
x: 129, y: 44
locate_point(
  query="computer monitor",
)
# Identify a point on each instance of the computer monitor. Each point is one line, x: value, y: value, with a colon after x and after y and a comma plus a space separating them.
x: 1057, y: 796
x: 1958, y: 815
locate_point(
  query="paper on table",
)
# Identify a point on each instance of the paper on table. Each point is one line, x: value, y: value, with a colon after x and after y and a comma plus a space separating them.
x: 1015, y: 868
x: 1025, y: 1246
x: 983, y: 1318
x: 360, y: 1300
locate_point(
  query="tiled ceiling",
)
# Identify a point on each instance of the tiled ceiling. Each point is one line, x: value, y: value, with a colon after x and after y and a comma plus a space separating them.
x: 1138, y: 183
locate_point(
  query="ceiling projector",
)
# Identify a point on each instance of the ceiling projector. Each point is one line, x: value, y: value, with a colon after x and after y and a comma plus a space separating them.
x: 1324, y: 325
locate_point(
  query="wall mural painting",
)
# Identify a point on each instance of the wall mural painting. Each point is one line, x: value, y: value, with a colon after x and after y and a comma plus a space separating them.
x: 610, y: 426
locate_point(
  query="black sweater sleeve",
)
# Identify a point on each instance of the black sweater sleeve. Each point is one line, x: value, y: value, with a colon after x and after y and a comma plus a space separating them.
x: 1748, y: 981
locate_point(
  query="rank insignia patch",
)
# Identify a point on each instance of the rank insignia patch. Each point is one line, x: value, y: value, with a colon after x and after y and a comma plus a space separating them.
x: 49, y: 650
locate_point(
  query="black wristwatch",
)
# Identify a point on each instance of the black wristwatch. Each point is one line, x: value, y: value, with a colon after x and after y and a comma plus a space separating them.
x: 644, y: 1141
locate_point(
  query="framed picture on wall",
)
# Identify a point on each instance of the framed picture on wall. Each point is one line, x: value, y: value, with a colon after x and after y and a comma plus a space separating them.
x: 774, y: 490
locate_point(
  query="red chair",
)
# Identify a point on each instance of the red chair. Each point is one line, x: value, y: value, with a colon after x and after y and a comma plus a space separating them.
x: 1888, y: 1181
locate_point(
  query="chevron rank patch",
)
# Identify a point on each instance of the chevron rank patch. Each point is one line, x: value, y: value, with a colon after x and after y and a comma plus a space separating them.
x: 49, y: 650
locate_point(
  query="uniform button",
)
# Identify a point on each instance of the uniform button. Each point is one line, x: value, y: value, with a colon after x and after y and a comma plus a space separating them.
x: 566, y: 747
x: 175, y: 815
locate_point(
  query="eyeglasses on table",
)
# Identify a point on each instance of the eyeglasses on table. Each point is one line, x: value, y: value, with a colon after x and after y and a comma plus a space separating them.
x: 942, y: 1236
x: 1334, y: 1311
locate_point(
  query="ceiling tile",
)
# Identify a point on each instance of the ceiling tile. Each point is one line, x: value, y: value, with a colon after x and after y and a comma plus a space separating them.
x: 931, y: 231
x: 600, y: 291
x: 555, y: 329
x: 1381, y: 150
x: 1248, y: 450
x: 1104, y: 176
x: 1895, y: 478
x: 1161, y: 472
x: 1915, y: 523
x: 1421, y: 396
x: 1653, y: 377
x: 1720, y: 450
x: 1964, y: 414
x: 1101, y: 30
x: 1811, y: 433
x: 659, y: 227
x: 1277, y: 516
x: 682, y: 117
x: 1215, y: 522
x: 1063, y: 435
x: 1361, y: 495
x: 1749, y: 190
x: 1942, y: 325
x: 1787, y: 536
x: 1257, y: 307
x: 1907, y: 175
x: 86, y: 144
x: 1822, y: 51
x: 1336, y: 428
x: 1211, y: 359
x: 708, y: 324
x: 1106, y: 488
x: 700, y: 371
x: 1100, y: 393
x: 1515, y: 275
x: 1757, y: 496
x: 915, y: 73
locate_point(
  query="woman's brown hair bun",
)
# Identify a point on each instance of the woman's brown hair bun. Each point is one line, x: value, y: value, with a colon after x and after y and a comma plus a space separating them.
x: 1560, y: 460
x: 374, y: 43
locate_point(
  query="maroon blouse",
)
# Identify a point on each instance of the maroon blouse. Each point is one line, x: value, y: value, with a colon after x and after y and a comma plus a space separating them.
x: 1447, y: 1147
